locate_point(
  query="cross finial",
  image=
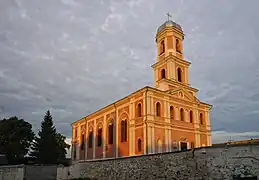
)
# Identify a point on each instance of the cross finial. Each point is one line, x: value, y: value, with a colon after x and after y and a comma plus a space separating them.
x: 168, y: 15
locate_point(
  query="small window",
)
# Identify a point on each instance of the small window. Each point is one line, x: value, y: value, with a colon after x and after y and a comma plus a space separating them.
x: 179, y: 74
x: 171, y: 112
x: 74, y: 154
x: 99, y: 137
x: 163, y: 74
x: 139, y: 109
x: 158, y: 109
x: 178, y: 46
x: 201, y: 118
x: 162, y: 47
x: 139, y: 145
x: 90, y: 140
x: 110, y: 133
x: 191, y: 117
x: 181, y: 114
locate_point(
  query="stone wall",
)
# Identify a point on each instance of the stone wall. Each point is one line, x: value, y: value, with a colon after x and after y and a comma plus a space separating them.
x: 12, y: 172
x: 204, y: 163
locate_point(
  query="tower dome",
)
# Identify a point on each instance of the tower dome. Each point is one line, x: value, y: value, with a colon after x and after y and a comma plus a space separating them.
x: 169, y: 23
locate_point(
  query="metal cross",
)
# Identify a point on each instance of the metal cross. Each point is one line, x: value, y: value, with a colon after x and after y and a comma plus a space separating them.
x: 168, y: 15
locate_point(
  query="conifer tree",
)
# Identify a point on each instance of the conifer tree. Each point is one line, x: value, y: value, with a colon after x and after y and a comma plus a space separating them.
x: 49, y: 147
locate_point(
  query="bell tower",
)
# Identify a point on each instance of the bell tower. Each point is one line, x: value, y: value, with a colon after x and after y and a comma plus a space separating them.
x: 171, y: 69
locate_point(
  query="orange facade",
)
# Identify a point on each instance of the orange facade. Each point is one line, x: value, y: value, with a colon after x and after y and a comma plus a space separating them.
x: 167, y: 117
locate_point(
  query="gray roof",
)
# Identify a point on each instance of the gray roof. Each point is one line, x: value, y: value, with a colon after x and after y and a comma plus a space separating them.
x: 169, y: 24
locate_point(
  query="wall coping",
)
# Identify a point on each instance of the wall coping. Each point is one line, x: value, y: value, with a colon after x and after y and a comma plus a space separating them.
x: 172, y: 152
x: 13, y: 166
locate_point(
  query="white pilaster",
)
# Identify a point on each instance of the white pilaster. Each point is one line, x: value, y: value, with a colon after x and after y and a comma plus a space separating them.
x: 94, y: 138
x: 117, y: 133
x: 86, y: 138
x: 196, y: 126
x: 170, y: 139
x: 149, y: 145
x: 153, y: 139
x: 145, y: 137
x: 104, y: 135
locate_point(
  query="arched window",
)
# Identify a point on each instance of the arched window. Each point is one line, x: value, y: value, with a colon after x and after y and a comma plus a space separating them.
x: 201, y: 118
x: 90, y: 139
x: 162, y: 47
x: 191, y: 117
x: 139, y: 145
x: 171, y: 112
x: 82, y: 142
x: 110, y: 138
x: 75, y: 132
x: 178, y: 45
x: 179, y: 74
x: 158, y: 109
x: 139, y: 109
x: 123, y: 130
x: 99, y: 137
x: 181, y: 114
x: 162, y: 73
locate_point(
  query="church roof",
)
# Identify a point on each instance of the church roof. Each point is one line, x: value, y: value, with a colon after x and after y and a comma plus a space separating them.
x: 169, y: 23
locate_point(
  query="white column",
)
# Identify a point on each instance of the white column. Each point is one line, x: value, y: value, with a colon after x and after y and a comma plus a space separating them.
x: 104, y: 135
x: 94, y: 143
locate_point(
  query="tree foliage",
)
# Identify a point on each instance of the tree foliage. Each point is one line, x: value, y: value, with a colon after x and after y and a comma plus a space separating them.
x: 16, y: 137
x: 49, y: 147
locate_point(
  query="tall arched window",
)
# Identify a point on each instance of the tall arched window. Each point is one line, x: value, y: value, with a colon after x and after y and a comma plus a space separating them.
x: 158, y: 109
x: 139, y: 145
x: 162, y: 47
x: 139, y: 110
x: 179, y: 74
x: 201, y: 118
x: 171, y: 112
x: 99, y: 137
x: 181, y: 114
x: 191, y: 117
x: 110, y: 138
x: 90, y: 139
x: 163, y: 74
x: 123, y: 130
x: 178, y: 45
x: 82, y: 142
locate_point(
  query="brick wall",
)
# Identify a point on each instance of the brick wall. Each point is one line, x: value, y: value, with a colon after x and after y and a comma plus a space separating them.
x: 208, y: 163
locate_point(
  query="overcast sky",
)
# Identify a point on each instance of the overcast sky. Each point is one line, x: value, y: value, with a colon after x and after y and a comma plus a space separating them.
x: 76, y: 56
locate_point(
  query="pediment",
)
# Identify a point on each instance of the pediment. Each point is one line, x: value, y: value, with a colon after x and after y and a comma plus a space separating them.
x: 181, y: 93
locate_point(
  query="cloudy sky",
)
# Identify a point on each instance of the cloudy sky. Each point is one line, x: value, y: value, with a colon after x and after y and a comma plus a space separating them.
x: 75, y: 56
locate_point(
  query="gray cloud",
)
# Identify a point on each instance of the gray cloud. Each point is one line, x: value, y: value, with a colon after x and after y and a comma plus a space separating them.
x: 73, y: 57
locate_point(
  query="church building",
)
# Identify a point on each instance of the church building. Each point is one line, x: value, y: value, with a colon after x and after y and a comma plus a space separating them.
x: 166, y: 117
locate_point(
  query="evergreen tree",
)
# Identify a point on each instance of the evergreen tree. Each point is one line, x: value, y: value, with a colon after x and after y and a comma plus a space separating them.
x: 49, y: 147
